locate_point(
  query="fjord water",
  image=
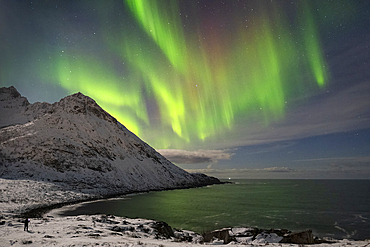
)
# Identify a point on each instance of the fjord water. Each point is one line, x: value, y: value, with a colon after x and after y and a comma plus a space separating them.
x: 331, y: 208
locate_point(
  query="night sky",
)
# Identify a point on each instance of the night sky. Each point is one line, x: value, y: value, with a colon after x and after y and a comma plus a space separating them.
x: 240, y: 89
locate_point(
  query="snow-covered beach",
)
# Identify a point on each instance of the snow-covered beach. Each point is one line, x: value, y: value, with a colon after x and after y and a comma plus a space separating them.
x: 100, y: 230
x: 19, y: 196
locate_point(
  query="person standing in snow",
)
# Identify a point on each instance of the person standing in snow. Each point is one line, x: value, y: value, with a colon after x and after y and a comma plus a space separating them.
x: 26, y: 224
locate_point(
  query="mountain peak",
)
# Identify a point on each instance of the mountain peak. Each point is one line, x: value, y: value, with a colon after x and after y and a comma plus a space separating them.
x: 12, y: 107
x: 9, y: 93
x: 79, y: 103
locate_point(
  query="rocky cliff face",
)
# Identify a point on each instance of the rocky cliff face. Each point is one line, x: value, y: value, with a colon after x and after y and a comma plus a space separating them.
x: 76, y: 142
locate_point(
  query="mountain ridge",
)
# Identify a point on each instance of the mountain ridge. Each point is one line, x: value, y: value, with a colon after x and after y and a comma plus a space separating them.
x: 76, y: 142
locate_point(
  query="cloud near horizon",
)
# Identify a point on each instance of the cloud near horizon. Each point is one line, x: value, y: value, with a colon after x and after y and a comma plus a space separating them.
x: 242, y: 170
x: 247, y: 173
x: 195, y: 157
x: 326, y: 168
x: 344, y: 164
x: 332, y: 112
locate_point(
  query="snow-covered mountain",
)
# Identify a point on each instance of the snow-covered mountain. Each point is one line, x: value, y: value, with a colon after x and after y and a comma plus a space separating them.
x: 74, y: 141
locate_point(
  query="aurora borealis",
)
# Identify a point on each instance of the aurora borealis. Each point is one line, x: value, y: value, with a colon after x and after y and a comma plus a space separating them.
x: 193, y: 75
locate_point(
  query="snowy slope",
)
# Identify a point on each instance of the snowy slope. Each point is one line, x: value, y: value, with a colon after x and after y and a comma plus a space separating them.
x: 76, y: 142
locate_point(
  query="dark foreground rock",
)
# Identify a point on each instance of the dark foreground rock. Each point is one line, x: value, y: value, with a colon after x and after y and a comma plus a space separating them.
x: 163, y: 229
x: 228, y: 235
x: 305, y: 237
x: 223, y: 234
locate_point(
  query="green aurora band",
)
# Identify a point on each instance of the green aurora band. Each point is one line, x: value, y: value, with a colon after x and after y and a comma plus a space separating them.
x: 177, y: 88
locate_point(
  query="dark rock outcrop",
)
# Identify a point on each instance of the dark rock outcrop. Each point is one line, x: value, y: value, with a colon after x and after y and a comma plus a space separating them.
x: 163, y: 229
x: 305, y: 237
x: 222, y: 234
x: 227, y: 235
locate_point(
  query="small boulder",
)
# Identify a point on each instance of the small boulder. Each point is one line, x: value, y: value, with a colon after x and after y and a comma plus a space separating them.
x: 163, y: 229
x: 222, y: 234
x: 48, y: 236
x: 305, y: 237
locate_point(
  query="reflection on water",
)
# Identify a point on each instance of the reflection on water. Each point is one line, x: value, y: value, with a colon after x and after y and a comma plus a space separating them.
x: 335, y: 208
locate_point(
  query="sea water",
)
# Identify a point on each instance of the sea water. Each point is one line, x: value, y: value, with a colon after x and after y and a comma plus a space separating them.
x: 331, y: 208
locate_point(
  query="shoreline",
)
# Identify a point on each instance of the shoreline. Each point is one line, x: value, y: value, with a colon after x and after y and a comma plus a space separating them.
x: 58, y: 212
x: 25, y: 197
x: 40, y: 211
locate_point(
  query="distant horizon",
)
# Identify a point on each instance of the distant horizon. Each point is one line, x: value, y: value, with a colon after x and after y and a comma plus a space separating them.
x: 294, y: 178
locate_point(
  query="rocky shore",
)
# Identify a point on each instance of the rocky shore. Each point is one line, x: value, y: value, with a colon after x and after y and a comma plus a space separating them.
x: 103, y: 230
